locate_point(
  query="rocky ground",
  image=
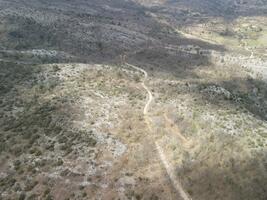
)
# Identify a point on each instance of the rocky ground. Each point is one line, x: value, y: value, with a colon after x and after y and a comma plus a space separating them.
x: 71, y: 110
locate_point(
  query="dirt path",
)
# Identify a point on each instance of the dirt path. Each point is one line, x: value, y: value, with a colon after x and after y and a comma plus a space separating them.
x: 194, y: 37
x: 257, y: 69
x: 262, y: 70
x: 169, y: 169
x: 174, y: 128
x: 150, y: 96
x: 16, y: 62
x: 247, y: 49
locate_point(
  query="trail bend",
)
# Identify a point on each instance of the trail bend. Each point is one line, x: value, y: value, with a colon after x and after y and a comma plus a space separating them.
x: 169, y: 169
x: 150, y: 96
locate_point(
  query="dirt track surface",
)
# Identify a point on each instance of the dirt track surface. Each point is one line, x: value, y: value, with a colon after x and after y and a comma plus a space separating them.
x: 169, y: 169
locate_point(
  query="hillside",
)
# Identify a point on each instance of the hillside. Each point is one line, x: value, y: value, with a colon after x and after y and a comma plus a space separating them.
x: 133, y: 99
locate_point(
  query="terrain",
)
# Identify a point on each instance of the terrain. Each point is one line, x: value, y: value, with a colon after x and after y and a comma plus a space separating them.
x: 133, y: 99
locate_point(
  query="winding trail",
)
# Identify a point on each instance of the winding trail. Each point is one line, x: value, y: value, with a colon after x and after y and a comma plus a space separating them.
x: 169, y: 169
x: 150, y: 96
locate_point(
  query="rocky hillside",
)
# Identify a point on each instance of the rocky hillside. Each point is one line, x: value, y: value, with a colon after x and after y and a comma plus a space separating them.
x: 72, y: 120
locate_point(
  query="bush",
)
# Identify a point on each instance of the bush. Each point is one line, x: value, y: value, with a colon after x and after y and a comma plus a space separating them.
x: 30, y: 184
x: 56, y: 68
x: 136, y: 78
x: 22, y: 196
